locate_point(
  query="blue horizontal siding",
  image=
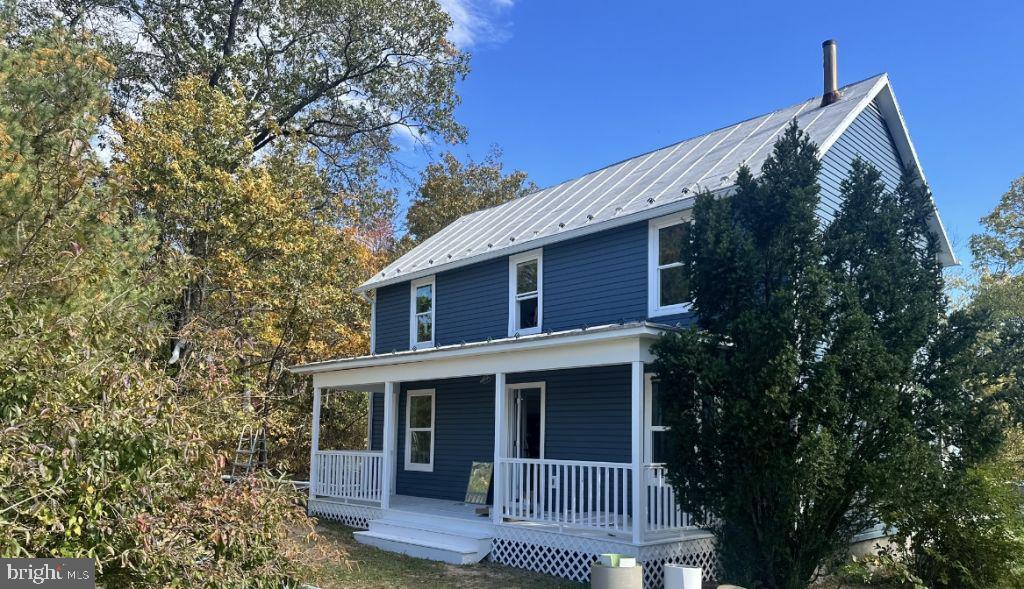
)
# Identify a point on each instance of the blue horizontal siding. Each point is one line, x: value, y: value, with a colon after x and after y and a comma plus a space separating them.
x: 596, y: 279
x: 463, y: 433
x: 587, y: 417
x: 377, y: 421
x: 868, y: 138
x: 392, y: 317
x: 472, y: 302
x: 600, y: 278
x: 591, y: 280
x: 587, y: 412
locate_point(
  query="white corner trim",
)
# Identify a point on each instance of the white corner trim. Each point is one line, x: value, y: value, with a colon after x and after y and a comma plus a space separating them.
x: 413, y: 285
x: 409, y: 465
x: 654, y: 307
x: 513, y: 308
x: 372, y: 297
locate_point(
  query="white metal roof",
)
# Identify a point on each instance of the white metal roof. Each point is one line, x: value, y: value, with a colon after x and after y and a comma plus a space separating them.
x: 646, y: 186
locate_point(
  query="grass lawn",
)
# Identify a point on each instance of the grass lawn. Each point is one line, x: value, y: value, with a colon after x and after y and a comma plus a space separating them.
x: 337, y: 561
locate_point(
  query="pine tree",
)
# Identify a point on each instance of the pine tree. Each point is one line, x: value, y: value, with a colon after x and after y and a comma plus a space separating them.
x: 800, y: 402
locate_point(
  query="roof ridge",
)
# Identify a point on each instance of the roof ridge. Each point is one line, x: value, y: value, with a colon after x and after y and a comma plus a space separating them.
x: 534, y: 219
x: 673, y: 144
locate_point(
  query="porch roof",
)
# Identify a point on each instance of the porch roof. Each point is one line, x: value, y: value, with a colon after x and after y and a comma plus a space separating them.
x: 589, y: 346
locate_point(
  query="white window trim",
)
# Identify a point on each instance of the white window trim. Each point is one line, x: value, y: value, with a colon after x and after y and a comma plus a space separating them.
x: 654, y: 307
x: 513, y: 308
x: 409, y: 465
x: 649, y: 428
x: 413, y: 285
x: 509, y: 390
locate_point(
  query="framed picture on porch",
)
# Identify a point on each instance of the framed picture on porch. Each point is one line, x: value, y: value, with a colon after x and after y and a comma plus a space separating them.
x: 479, y: 482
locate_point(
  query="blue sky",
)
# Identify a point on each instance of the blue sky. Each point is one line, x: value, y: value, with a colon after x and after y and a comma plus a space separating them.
x: 567, y: 87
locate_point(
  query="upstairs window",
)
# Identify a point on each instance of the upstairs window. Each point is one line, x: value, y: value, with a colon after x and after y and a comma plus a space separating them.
x: 668, y: 287
x: 526, y: 293
x: 421, y: 325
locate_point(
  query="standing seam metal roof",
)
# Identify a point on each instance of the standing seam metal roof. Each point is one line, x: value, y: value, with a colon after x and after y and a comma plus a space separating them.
x: 627, y: 189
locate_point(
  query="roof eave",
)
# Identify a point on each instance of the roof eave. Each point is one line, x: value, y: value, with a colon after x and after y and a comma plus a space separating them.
x: 881, y: 89
x: 568, y: 337
x: 660, y: 211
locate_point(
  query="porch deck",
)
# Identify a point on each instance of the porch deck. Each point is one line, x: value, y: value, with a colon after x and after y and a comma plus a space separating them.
x: 451, y: 531
x: 438, y: 507
x: 456, y: 510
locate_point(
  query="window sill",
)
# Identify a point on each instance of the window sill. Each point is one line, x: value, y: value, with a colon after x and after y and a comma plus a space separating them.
x: 528, y: 331
x: 419, y: 467
x: 669, y: 310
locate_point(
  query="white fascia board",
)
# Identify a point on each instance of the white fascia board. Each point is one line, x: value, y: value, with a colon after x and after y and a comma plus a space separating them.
x: 851, y: 116
x: 901, y: 136
x: 621, y: 348
x: 882, y: 91
x: 541, y: 340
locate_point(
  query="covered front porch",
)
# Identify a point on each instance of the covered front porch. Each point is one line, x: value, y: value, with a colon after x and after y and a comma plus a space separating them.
x: 563, y: 417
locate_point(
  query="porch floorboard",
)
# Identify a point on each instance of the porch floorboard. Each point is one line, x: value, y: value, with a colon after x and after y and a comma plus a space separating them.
x: 440, y: 507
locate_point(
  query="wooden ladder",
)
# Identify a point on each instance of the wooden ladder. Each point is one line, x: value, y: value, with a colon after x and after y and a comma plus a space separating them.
x: 251, y: 453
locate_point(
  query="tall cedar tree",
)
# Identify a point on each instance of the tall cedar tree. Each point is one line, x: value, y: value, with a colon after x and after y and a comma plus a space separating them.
x: 801, y: 403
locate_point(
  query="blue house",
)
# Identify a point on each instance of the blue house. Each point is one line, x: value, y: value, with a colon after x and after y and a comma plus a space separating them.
x: 519, y: 336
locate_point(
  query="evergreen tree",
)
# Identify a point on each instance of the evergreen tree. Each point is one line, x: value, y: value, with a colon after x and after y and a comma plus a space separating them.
x: 801, y: 403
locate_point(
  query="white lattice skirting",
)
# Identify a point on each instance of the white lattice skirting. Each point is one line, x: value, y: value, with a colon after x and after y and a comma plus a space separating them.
x: 694, y: 551
x: 562, y: 555
x: 570, y: 557
x: 353, y: 516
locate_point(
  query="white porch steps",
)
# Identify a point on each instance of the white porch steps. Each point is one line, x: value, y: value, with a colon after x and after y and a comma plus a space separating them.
x: 453, y: 540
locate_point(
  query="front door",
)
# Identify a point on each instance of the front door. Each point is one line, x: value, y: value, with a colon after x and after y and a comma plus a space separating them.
x: 527, y: 420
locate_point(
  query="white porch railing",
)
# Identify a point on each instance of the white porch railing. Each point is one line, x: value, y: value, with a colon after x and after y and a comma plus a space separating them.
x: 663, y: 513
x: 349, y: 474
x: 567, y: 493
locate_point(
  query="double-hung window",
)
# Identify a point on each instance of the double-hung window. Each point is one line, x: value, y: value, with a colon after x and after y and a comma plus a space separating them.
x: 668, y: 286
x: 526, y: 292
x: 419, y: 430
x: 421, y: 324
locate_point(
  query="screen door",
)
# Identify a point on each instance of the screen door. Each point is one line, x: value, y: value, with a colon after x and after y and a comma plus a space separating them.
x: 527, y: 427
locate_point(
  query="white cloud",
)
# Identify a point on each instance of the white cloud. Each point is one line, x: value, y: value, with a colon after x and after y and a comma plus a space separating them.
x: 478, y: 22
x: 408, y: 137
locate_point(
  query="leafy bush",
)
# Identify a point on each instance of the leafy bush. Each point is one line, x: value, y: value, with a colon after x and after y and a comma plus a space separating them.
x: 99, y: 457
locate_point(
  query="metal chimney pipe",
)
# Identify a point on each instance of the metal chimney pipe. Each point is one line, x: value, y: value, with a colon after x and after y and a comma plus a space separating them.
x: 831, y: 93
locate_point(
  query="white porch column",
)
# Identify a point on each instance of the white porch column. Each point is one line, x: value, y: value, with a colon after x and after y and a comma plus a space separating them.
x: 387, y: 475
x: 500, y: 437
x: 314, y: 445
x: 637, y: 421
